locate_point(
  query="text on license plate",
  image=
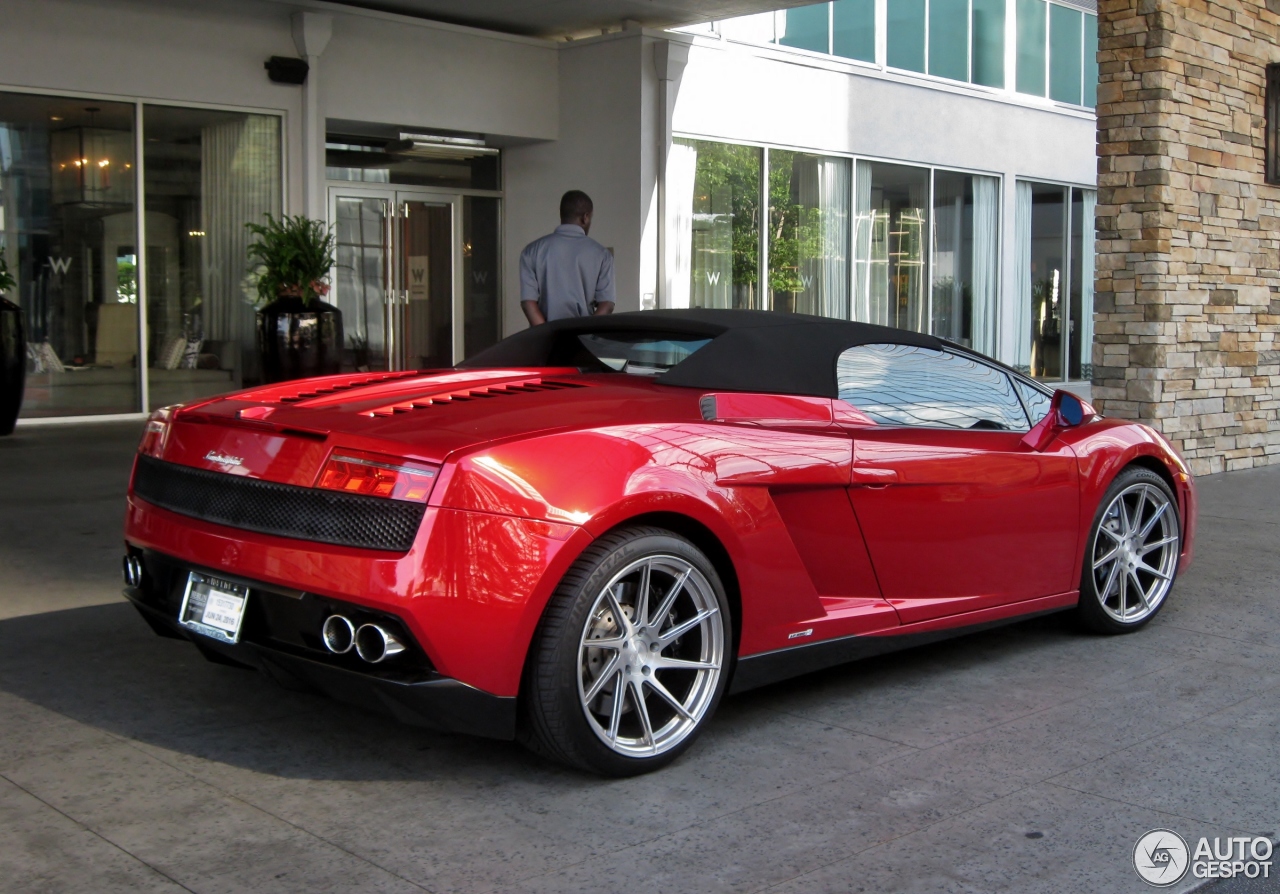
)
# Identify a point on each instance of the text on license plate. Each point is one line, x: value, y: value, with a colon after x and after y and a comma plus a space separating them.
x: 213, y: 607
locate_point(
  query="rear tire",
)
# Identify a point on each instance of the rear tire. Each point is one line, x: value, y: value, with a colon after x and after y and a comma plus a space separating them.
x: 631, y: 657
x: 1131, y: 556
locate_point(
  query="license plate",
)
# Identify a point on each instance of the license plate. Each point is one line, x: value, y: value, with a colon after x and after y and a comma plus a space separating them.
x: 213, y: 607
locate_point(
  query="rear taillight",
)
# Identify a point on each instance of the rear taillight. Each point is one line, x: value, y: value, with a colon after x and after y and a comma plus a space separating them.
x: 156, y: 434
x: 378, y: 476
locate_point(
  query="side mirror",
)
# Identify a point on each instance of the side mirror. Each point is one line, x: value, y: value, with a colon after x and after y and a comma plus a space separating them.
x: 1070, y: 408
x: 1066, y: 411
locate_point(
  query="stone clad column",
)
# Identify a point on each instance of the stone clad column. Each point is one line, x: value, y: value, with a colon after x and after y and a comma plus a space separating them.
x: 1187, y: 298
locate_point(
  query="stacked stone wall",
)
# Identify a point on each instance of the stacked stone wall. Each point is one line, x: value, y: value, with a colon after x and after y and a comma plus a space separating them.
x: 1188, y: 265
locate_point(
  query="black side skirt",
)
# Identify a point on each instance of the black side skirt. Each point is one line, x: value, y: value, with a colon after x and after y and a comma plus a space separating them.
x: 771, y: 667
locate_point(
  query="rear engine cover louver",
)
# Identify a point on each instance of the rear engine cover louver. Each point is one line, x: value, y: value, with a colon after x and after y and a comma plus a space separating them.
x: 345, y: 386
x: 483, y: 392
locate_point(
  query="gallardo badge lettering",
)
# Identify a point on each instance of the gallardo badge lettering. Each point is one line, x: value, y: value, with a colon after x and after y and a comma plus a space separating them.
x: 222, y: 459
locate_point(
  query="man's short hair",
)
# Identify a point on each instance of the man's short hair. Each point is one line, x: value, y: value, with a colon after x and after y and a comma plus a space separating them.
x: 574, y: 204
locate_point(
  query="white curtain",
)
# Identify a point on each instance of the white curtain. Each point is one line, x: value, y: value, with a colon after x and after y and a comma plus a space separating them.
x: 239, y: 183
x: 864, y: 266
x: 682, y: 170
x: 986, y: 255
x: 947, y: 295
x: 823, y: 192
x: 1020, y: 319
x: 1087, y: 274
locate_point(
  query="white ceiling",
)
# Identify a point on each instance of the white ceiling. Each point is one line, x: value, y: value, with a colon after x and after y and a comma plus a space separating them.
x: 557, y: 18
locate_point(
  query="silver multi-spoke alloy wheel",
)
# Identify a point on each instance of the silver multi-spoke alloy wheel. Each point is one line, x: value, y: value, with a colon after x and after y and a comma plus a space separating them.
x: 1135, y: 552
x: 650, y: 656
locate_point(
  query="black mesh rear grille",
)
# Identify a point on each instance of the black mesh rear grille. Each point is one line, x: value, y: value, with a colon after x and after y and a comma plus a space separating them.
x: 303, y: 513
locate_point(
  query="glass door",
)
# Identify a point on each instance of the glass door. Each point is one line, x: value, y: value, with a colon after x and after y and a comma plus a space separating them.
x: 397, y: 256
x: 422, y: 249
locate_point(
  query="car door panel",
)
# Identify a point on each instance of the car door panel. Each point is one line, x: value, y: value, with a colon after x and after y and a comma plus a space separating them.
x: 959, y: 520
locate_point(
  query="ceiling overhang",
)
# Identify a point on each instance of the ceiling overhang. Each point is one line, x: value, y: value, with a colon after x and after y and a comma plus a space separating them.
x: 565, y: 18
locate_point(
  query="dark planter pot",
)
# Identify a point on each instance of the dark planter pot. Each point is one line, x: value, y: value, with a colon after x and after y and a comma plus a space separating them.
x: 13, y: 364
x: 297, y: 340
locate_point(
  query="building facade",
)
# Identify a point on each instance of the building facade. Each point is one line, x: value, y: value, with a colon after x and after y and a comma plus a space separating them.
x: 923, y: 165
x: 1188, y: 313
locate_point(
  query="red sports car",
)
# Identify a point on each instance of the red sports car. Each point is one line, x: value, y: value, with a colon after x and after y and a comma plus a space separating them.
x: 587, y: 534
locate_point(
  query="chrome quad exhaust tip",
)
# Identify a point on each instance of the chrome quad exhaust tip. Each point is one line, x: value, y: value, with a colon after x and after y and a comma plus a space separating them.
x: 339, y: 634
x: 376, y: 644
x: 132, y: 571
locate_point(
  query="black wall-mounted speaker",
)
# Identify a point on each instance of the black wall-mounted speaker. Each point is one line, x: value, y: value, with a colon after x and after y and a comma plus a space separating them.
x: 287, y: 70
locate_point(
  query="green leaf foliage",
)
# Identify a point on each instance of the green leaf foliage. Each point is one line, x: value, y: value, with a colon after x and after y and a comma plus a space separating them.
x: 295, y: 255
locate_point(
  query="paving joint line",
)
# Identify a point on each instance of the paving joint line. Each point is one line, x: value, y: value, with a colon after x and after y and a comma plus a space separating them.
x: 249, y: 804
x: 95, y: 833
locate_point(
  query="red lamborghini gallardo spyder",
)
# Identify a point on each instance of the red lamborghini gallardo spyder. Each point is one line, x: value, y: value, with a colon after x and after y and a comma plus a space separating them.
x: 584, y: 536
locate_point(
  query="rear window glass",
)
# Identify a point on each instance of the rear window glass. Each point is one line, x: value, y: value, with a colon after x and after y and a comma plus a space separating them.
x: 635, y: 353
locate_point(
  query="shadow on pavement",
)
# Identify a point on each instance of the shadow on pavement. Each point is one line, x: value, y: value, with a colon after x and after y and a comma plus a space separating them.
x: 101, y: 666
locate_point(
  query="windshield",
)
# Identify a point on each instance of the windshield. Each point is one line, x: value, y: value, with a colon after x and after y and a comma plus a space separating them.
x: 640, y: 354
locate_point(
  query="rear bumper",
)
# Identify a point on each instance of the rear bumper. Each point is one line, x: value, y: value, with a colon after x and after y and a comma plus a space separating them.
x: 416, y: 695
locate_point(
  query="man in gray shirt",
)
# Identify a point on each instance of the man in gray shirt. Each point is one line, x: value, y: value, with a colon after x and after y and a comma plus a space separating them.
x: 567, y: 274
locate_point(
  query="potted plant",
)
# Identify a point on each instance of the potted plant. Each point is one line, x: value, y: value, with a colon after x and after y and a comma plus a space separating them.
x: 13, y: 353
x: 299, y: 335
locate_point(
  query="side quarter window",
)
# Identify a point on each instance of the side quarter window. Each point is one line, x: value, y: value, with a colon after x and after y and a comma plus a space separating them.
x: 1035, y: 400
x: 909, y: 385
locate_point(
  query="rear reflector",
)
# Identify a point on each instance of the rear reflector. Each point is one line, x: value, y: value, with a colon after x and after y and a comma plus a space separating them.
x: 378, y: 476
x: 156, y: 434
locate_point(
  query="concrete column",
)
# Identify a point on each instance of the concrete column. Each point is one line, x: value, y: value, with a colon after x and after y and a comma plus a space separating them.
x: 1186, y: 311
x: 311, y: 34
x: 670, y: 58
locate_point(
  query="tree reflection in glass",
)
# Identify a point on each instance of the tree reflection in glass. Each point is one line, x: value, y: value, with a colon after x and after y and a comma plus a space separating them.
x: 714, y: 191
x: 808, y: 233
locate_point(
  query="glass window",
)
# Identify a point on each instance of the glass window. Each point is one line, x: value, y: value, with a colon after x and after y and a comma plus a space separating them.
x: 1083, y: 203
x: 373, y: 160
x: 1090, y: 60
x: 809, y: 233
x: 714, y: 222
x: 891, y: 247
x: 361, y: 277
x: 1033, y: 24
x: 906, y: 34
x: 966, y: 216
x: 988, y: 43
x: 949, y: 39
x: 68, y: 232
x: 639, y: 354
x: 1035, y: 400
x: 207, y: 174
x: 854, y: 29
x: 907, y: 385
x: 1048, y: 279
x: 806, y: 27
x: 1065, y: 49
x: 482, y: 326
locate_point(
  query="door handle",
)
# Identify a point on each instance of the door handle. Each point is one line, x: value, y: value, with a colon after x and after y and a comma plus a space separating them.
x: 870, y: 476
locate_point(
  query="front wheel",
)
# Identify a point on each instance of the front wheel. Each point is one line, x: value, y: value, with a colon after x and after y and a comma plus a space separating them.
x: 1132, y: 553
x: 631, y: 657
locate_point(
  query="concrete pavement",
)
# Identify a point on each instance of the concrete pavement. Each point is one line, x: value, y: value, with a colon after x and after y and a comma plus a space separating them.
x: 1028, y: 759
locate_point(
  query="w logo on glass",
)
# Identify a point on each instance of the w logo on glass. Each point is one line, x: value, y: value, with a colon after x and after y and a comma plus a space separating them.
x: 418, y: 273
x: 713, y: 277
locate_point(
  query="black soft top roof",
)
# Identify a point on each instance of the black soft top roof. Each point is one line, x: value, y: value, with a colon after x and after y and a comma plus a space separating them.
x: 751, y: 350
